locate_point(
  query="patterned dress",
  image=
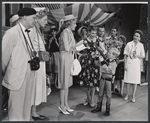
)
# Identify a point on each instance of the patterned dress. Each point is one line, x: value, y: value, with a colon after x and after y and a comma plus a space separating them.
x: 90, y: 73
x: 119, y: 74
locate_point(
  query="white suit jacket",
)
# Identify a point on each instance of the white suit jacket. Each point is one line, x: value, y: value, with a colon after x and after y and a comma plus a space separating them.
x: 15, y: 57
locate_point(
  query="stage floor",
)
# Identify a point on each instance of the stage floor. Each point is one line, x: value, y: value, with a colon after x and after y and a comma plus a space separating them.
x: 120, y: 110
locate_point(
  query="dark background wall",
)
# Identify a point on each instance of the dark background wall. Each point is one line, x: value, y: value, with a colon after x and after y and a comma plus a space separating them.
x: 127, y: 20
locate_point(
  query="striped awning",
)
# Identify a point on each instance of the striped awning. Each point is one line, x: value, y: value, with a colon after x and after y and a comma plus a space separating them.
x: 49, y: 6
x: 85, y: 12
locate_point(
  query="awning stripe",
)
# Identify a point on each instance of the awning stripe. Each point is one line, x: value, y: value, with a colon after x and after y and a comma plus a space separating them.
x: 68, y: 10
x: 92, y: 10
x: 80, y: 11
x: 75, y: 10
x: 84, y: 12
x: 98, y: 16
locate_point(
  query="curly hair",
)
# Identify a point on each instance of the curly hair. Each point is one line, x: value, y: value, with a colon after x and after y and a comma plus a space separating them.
x: 139, y: 31
x: 42, y: 13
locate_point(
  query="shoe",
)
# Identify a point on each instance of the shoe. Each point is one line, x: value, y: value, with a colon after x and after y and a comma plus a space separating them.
x: 92, y: 105
x: 40, y: 117
x: 69, y: 110
x: 98, y: 108
x: 133, y: 100
x: 85, y: 103
x: 107, y: 112
x: 126, y: 98
x: 64, y: 112
x: 116, y: 90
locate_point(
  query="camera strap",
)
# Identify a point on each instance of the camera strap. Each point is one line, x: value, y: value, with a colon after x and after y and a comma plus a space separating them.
x: 27, y: 44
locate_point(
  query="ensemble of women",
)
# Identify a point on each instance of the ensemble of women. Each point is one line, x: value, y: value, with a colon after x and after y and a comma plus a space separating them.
x: 107, y: 63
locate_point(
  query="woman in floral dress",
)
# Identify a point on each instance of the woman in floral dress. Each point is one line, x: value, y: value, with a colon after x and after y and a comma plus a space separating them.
x: 90, y: 74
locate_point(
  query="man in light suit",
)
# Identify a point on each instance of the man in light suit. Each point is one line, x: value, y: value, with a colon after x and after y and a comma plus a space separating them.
x: 17, y: 74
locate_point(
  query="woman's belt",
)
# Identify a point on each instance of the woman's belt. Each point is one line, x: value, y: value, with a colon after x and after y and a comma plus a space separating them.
x: 66, y: 51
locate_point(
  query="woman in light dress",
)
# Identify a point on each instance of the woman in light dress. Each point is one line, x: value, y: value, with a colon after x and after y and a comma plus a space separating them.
x: 134, y: 52
x: 39, y: 45
x: 66, y: 48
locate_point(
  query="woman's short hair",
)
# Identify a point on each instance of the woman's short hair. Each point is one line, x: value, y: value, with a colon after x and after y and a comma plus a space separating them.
x: 123, y: 38
x: 101, y: 26
x: 92, y: 28
x: 42, y: 13
x: 139, y: 31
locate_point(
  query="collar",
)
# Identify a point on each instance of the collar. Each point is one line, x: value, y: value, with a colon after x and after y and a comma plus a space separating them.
x: 94, y: 40
x: 23, y: 28
x: 101, y: 39
x: 113, y: 38
x: 136, y: 44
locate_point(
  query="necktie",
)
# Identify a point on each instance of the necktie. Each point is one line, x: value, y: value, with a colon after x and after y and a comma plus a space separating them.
x: 33, y: 53
x: 27, y: 30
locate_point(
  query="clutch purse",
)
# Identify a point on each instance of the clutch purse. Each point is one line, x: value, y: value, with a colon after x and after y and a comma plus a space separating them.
x: 44, y: 56
x: 76, y: 67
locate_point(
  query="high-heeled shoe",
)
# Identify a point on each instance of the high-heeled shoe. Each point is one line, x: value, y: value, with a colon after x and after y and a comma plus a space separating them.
x: 85, y: 103
x: 126, y: 98
x: 133, y: 100
x: 69, y: 110
x: 64, y: 112
x: 92, y: 105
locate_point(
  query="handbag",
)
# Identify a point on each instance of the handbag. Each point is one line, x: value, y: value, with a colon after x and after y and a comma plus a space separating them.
x: 75, y: 67
x: 44, y: 55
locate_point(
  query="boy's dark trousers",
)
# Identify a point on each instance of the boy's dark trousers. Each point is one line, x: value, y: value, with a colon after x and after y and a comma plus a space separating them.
x: 104, y: 83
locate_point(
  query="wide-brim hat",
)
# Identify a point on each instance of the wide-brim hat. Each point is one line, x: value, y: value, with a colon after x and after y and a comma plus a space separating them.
x: 69, y: 17
x: 38, y: 9
x: 82, y: 27
x: 14, y: 18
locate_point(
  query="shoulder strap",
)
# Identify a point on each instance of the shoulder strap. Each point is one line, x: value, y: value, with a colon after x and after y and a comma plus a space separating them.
x: 27, y: 44
x: 39, y: 34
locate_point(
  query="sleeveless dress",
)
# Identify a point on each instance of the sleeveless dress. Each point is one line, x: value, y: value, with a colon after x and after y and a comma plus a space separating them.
x: 119, y: 74
x: 65, y: 59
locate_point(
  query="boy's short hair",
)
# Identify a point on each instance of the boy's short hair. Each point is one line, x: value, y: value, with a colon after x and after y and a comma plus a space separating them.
x: 115, y: 51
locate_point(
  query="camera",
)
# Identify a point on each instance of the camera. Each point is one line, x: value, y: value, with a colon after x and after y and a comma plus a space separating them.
x: 34, y: 63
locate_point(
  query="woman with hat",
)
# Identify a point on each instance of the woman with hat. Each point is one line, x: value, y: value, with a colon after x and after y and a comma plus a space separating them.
x: 90, y: 74
x: 40, y: 78
x: 14, y: 19
x: 53, y: 48
x: 119, y: 74
x: 66, y: 49
x: 82, y: 31
x: 134, y: 52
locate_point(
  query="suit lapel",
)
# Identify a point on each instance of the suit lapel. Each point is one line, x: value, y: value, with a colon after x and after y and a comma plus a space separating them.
x: 22, y: 39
